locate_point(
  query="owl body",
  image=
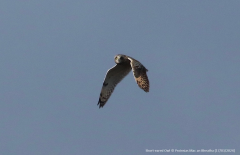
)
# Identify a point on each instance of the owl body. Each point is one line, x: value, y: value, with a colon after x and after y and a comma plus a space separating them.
x: 124, y: 64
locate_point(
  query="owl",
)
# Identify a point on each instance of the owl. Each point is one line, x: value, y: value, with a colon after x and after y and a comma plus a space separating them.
x: 124, y: 64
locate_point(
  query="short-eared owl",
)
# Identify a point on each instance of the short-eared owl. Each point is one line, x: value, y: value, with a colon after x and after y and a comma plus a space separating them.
x: 124, y: 64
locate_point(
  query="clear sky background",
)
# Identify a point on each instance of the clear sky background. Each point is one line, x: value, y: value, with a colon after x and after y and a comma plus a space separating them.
x: 54, y: 56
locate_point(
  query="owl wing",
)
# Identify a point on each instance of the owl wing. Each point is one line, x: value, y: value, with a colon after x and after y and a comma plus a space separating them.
x: 140, y: 74
x: 113, y: 77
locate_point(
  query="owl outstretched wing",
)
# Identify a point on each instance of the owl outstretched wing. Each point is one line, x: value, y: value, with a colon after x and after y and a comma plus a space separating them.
x: 113, y: 77
x: 140, y: 74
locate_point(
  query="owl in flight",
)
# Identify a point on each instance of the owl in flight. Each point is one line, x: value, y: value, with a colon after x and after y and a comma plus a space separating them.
x: 124, y: 64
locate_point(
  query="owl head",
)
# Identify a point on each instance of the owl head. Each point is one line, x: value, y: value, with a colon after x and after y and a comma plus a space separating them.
x: 119, y: 59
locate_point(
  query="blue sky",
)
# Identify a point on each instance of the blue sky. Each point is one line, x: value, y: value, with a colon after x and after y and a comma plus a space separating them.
x: 55, y: 54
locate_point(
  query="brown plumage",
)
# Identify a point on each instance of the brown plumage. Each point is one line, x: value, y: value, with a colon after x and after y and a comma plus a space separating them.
x: 124, y: 64
x: 140, y: 74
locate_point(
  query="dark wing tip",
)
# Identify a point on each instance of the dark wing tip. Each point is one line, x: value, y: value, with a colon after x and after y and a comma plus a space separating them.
x: 100, y: 103
x: 146, y: 89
